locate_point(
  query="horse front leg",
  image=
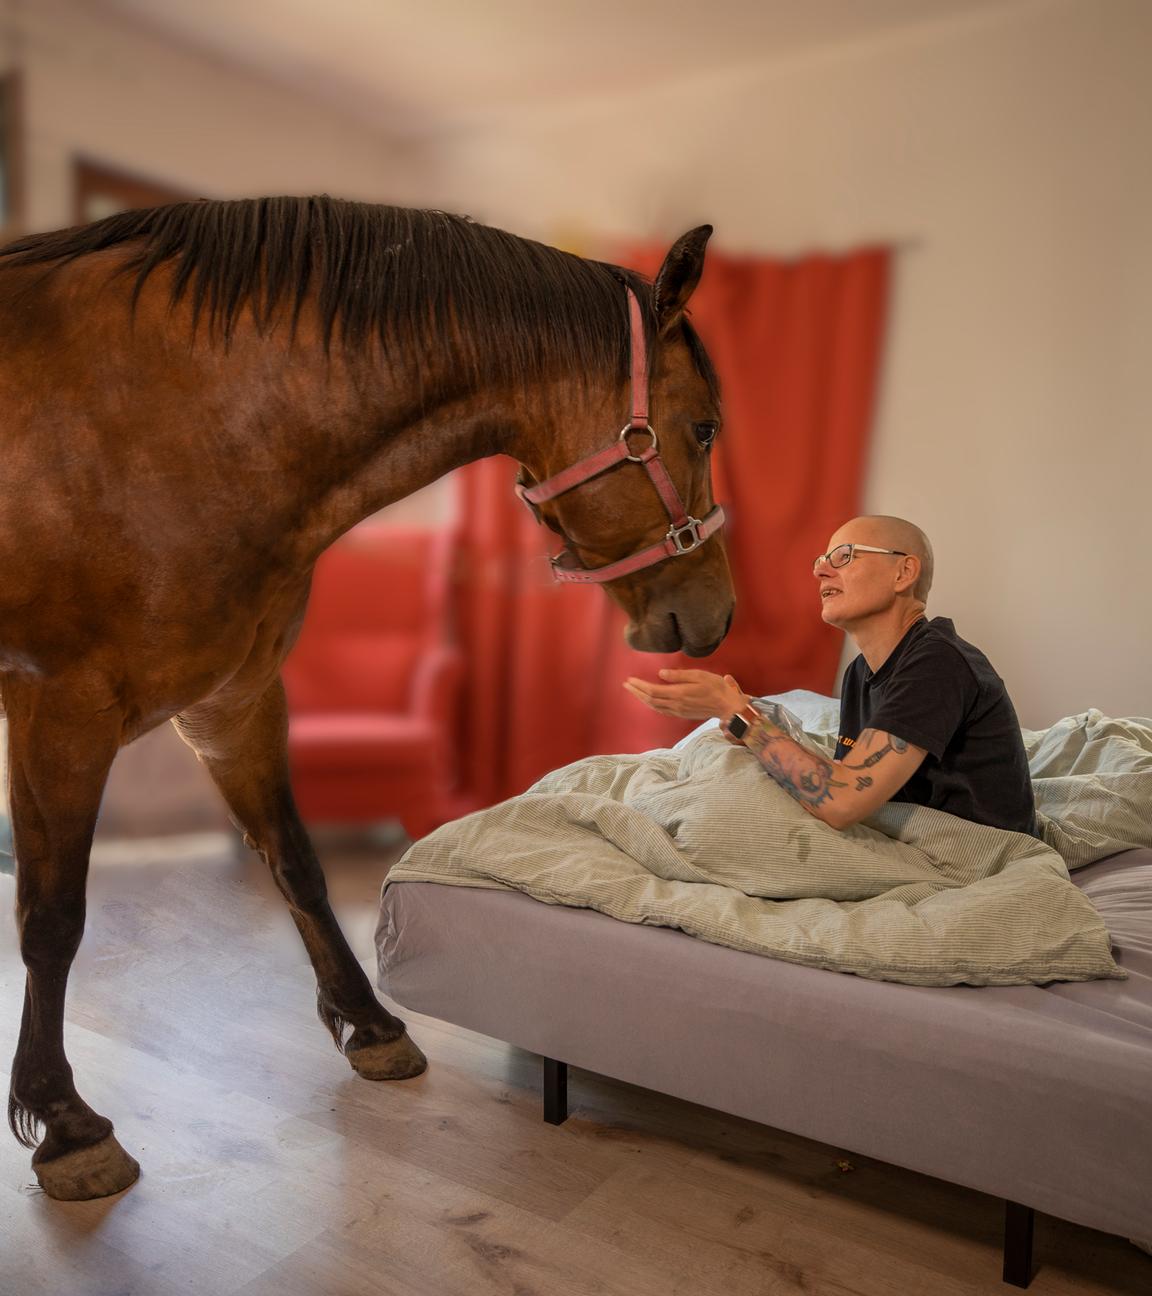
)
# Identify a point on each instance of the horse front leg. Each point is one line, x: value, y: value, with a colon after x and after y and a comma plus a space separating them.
x: 246, y: 752
x: 60, y: 749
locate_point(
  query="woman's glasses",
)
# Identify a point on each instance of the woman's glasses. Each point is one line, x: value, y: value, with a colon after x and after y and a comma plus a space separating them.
x: 843, y: 554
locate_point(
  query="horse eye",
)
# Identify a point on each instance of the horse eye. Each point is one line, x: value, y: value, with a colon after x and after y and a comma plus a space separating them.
x: 706, y: 433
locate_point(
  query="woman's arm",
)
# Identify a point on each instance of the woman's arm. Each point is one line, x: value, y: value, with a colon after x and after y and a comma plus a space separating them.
x: 838, y: 793
x: 778, y: 742
x: 775, y: 736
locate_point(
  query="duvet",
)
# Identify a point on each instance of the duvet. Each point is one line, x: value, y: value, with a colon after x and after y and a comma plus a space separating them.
x: 700, y: 838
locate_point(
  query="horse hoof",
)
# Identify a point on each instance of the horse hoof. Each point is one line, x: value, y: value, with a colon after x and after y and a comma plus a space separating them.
x: 399, y: 1059
x: 98, y: 1170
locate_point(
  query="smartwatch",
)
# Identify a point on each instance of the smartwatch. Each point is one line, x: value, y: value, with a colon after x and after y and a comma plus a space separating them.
x: 741, y: 721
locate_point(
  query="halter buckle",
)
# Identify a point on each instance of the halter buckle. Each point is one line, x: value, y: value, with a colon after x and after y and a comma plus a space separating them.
x: 692, y: 526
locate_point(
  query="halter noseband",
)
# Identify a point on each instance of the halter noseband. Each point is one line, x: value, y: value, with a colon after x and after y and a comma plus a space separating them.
x: 684, y: 535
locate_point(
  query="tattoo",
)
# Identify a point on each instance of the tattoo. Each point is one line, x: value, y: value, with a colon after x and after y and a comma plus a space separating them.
x: 893, y: 744
x: 779, y: 744
x: 804, y: 774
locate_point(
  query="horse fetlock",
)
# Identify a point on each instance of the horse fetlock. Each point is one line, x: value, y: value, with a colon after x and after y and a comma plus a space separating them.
x: 66, y: 1119
x: 45, y: 1097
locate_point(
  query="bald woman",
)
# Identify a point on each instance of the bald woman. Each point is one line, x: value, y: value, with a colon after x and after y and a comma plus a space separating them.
x: 923, y: 715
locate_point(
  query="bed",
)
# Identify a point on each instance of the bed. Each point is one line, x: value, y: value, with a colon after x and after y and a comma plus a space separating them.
x: 1038, y: 1094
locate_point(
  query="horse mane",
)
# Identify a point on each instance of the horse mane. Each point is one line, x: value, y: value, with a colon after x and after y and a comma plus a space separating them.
x: 492, y: 302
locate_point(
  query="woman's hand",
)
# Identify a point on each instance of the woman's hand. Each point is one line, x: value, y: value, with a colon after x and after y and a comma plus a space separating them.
x: 691, y: 694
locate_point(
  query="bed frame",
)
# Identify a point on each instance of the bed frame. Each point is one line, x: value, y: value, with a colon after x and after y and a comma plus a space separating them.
x: 964, y: 1083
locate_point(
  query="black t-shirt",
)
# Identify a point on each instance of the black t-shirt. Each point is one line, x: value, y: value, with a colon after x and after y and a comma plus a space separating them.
x: 941, y: 693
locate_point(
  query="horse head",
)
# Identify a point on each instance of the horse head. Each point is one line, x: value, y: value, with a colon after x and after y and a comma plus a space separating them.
x: 636, y: 513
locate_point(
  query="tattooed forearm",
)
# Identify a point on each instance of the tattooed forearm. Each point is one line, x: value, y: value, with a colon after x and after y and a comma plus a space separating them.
x: 803, y: 773
x: 893, y: 744
x: 812, y: 779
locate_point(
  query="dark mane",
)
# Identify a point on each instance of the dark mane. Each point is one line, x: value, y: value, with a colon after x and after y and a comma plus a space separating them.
x: 520, y: 309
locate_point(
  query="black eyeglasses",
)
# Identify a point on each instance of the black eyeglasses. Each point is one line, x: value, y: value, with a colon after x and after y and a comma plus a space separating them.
x: 843, y: 554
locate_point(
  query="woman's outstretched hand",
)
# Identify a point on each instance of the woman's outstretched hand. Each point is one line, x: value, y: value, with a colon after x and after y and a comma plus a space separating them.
x: 691, y: 694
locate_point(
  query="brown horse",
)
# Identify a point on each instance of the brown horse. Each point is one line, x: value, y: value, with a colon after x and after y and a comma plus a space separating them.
x: 197, y: 401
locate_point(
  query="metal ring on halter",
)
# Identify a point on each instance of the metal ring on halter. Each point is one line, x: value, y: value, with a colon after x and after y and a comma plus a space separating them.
x: 624, y: 437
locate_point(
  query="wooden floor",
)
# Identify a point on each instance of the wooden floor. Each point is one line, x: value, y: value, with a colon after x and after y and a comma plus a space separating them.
x: 270, y: 1169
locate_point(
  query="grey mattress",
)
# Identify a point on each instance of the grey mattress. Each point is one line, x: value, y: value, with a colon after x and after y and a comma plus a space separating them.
x: 1038, y: 1094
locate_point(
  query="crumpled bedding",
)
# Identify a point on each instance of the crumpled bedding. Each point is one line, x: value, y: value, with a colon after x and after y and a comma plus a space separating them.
x: 699, y: 838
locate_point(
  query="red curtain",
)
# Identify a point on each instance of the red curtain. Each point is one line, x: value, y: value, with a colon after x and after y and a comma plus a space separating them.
x: 797, y: 347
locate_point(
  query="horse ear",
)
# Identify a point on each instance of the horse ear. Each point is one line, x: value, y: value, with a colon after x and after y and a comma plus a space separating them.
x: 679, y: 276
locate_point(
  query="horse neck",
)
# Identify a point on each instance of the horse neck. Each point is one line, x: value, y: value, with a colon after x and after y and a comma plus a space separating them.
x: 369, y: 439
x: 395, y: 438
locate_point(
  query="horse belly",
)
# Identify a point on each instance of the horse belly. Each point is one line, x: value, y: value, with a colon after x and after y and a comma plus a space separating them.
x: 150, y: 635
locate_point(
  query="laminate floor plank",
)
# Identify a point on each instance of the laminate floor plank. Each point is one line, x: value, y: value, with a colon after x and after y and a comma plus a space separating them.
x: 271, y: 1169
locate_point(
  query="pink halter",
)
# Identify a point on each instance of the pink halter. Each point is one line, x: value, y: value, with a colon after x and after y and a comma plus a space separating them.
x: 684, y: 535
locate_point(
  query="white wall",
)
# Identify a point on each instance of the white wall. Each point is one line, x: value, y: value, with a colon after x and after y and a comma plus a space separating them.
x: 110, y: 89
x: 1010, y: 157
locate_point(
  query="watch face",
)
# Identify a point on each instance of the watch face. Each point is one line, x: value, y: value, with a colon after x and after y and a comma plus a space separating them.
x: 737, y: 726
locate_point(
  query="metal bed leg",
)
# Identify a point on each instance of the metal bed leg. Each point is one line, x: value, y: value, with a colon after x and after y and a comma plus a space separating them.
x: 555, y: 1091
x: 1018, y: 1222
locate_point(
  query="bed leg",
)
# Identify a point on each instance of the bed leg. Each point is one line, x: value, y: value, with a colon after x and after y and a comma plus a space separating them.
x: 1018, y: 1244
x: 555, y: 1091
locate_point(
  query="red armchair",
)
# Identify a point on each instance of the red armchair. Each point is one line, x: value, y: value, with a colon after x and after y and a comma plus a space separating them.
x: 374, y: 682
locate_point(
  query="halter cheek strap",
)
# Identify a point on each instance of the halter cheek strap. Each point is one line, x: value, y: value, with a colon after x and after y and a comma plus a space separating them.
x: 684, y: 535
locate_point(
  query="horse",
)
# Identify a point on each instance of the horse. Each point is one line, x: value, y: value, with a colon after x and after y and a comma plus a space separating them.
x: 198, y: 400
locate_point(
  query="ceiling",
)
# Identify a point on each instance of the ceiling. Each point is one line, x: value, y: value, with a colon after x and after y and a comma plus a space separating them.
x: 415, y: 65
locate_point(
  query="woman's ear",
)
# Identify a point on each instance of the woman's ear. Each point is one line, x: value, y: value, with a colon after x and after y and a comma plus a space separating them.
x: 678, y: 277
x: 913, y: 564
